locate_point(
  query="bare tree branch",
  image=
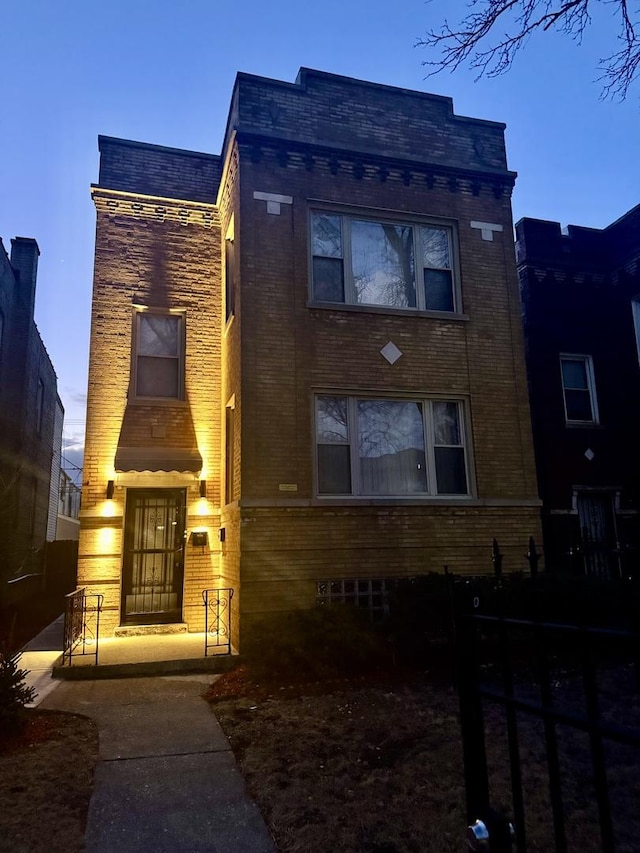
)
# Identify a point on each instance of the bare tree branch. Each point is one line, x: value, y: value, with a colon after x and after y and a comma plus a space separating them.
x: 467, y: 41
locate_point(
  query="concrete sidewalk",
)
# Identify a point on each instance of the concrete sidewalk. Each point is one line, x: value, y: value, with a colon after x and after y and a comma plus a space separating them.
x: 166, y: 778
x: 39, y: 656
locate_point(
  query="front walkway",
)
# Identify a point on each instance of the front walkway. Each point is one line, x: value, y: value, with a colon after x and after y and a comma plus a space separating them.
x: 166, y: 778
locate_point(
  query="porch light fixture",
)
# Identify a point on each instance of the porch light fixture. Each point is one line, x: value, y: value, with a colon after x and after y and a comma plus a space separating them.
x: 110, y: 490
x: 203, y: 488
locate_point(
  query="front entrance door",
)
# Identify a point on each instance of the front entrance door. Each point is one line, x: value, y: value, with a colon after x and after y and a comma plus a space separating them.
x: 152, y: 570
x: 598, y: 534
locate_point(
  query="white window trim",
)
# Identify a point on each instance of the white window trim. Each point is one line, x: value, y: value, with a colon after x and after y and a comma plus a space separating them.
x: 384, y: 216
x: 352, y: 443
x: 587, y: 360
x: 635, y: 310
x: 180, y: 314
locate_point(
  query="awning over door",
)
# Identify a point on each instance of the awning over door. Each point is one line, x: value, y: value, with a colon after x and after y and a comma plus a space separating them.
x: 157, y: 459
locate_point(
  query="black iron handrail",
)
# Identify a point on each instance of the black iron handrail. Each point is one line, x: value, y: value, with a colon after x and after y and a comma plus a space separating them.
x: 217, y: 604
x: 81, y: 625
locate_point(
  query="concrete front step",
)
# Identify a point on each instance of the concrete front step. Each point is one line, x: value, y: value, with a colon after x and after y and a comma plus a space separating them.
x: 142, y: 669
x: 151, y: 630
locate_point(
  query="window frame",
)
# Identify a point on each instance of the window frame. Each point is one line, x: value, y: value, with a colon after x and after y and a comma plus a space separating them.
x: 431, y: 493
x: 348, y: 215
x: 635, y: 313
x: 179, y: 314
x: 230, y: 272
x: 229, y: 451
x: 39, y: 406
x: 587, y: 361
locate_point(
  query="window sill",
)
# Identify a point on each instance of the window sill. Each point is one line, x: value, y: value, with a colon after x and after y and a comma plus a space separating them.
x: 583, y: 425
x: 165, y: 402
x: 383, y: 309
x: 357, y: 500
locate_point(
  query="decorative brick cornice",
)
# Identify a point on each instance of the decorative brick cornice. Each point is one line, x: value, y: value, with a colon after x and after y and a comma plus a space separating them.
x: 117, y: 202
x: 293, y: 154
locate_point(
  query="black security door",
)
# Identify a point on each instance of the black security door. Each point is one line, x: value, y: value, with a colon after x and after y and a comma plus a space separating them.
x: 153, y: 556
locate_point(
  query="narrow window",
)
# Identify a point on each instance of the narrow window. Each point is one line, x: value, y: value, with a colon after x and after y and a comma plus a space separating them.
x: 579, y: 390
x: 437, y: 268
x: 328, y: 264
x: 39, y: 406
x: 334, y: 457
x: 448, y: 448
x: 159, y: 355
x: 229, y: 278
x: 229, y: 454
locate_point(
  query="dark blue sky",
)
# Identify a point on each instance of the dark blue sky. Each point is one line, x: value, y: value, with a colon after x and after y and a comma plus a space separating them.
x: 161, y: 71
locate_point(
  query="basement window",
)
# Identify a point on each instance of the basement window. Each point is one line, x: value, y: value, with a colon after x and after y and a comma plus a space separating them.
x: 367, y: 593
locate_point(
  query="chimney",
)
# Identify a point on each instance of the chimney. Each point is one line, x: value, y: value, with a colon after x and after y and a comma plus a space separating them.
x: 24, y: 260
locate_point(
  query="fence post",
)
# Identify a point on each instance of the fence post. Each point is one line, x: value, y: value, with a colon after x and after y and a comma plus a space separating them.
x: 471, y: 714
x: 497, y: 561
x: 533, y: 557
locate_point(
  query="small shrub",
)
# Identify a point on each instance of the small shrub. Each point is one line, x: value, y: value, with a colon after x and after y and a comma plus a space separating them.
x: 14, y: 693
x: 325, y: 642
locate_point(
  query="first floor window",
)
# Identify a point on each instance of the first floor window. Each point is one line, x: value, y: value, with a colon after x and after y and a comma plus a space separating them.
x: 159, y: 355
x: 366, y: 261
x: 579, y: 389
x: 388, y: 447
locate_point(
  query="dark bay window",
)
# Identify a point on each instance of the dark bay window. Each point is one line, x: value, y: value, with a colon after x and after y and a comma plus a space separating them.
x: 159, y: 355
x: 386, y: 447
x: 373, y: 262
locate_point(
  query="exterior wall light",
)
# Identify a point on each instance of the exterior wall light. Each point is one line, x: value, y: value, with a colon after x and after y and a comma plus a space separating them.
x: 203, y: 488
x: 110, y: 490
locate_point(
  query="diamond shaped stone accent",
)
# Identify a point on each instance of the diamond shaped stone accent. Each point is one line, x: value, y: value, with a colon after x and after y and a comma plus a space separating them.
x: 391, y: 352
x: 589, y: 454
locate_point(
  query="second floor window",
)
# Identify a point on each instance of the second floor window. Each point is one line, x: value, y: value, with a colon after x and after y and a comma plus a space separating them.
x: 387, y: 263
x: 579, y: 389
x: 159, y: 355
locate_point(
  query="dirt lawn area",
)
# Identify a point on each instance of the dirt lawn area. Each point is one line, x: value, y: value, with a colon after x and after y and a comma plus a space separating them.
x: 46, y: 777
x: 356, y: 767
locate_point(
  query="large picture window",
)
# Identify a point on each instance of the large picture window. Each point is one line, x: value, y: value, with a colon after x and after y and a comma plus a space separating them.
x: 377, y: 262
x: 579, y: 389
x: 159, y: 355
x: 386, y: 447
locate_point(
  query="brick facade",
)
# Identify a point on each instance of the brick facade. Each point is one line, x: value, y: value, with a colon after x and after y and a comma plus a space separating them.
x: 29, y: 426
x: 257, y: 365
x: 579, y: 289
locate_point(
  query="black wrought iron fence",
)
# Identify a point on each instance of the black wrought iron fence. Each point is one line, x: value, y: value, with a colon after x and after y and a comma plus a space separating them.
x: 566, y: 692
x: 217, y: 604
x: 81, y: 625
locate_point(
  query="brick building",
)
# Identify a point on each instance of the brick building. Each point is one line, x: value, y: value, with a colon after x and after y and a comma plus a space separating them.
x: 308, y: 349
x: 581, y: 298
x: 30, y: 426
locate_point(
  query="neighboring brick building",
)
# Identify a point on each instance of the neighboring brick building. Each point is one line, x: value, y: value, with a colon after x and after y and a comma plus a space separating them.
x: 30, y: 429
x: 581, y: 298
x: 320, y: 332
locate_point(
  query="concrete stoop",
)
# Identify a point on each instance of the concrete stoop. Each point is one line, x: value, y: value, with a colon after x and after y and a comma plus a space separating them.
x: 142, y: 669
